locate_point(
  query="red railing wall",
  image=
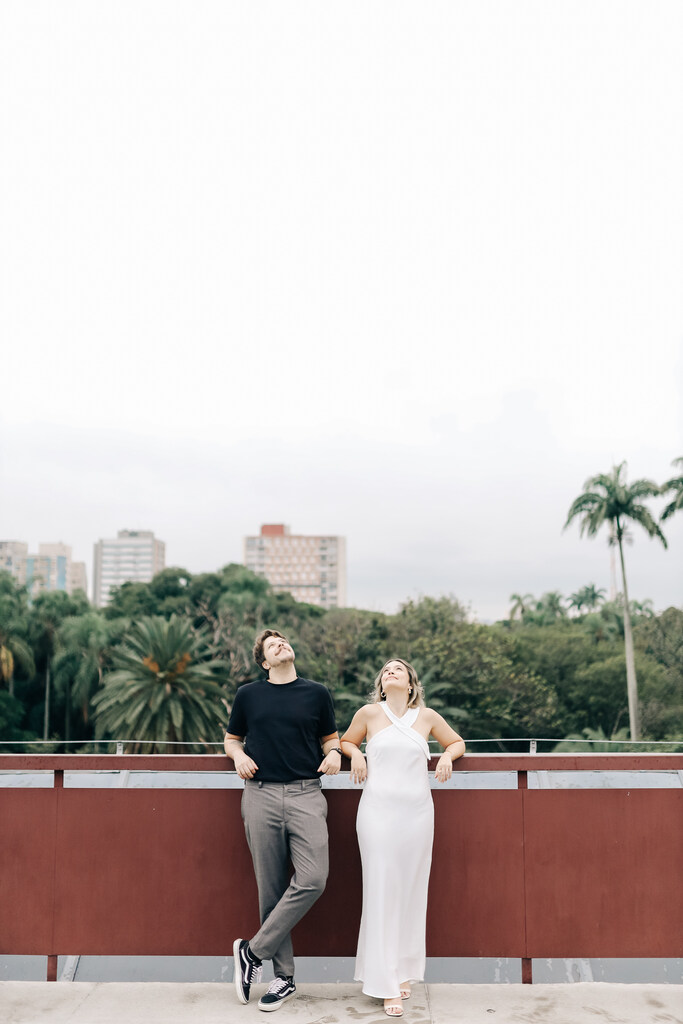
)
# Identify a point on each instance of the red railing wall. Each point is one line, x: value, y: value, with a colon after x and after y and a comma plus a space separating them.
x: 517, y: 873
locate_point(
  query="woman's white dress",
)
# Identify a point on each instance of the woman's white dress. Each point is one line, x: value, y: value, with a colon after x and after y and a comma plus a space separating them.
x: 395, y: 825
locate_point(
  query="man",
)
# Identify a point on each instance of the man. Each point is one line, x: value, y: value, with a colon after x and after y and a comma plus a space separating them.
x: 278, y: 730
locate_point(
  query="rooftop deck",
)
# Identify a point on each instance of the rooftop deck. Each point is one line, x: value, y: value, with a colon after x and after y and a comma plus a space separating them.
x: 533, y: 866
x: 159, y: 1003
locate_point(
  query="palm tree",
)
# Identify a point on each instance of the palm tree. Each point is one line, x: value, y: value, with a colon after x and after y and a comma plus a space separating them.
x: 609, y: 499
x: 550, y: 607
x: 82, y: 643
x: 48, y: 611
x: 588, y: 597
x: 642, y: 609
x: 675, y: 485
x: 14, y: 649
x: 520, y: 604
x: 165, y: 687
x: 593, y: 596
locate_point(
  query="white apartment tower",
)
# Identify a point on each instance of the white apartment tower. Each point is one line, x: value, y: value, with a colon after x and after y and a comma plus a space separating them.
x: 311, y: 569
x: 133, y: 556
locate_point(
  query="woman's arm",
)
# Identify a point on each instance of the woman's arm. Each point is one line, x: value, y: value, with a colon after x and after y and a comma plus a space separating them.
x: 350, y: 744
x: 453, y: 744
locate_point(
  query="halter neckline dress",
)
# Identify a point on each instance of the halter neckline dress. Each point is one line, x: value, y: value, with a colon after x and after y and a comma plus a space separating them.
x: 395, y: 825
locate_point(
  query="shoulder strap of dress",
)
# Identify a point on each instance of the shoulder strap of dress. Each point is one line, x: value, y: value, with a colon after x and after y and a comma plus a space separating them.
x: 390, y: 714
x: 405, y: 725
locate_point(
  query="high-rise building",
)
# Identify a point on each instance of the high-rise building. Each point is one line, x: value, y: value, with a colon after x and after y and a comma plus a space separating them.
x: 78, y: 578
x: 311, y: 569
x: 12, y: 553
x: 133, y: 556
x: 51, y: 569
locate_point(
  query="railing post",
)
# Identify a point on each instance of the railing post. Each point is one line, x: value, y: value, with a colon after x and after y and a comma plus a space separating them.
x: 527, y: 979
x: 58, y: 783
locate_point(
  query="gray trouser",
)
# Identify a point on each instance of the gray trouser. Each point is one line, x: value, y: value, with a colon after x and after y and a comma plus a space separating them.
x: 285, y: 822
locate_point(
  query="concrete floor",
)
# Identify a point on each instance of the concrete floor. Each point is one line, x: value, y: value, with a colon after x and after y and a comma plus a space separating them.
x: 38, y: 1002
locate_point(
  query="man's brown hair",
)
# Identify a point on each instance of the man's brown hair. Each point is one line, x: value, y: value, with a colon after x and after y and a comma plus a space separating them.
x: 259, y: 657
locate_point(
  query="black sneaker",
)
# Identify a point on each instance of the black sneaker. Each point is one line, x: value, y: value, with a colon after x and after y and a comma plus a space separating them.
x: 248, y: 969
x: 278, y: 990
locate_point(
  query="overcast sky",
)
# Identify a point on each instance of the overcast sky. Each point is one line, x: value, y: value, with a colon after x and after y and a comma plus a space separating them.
x: 410, y: 273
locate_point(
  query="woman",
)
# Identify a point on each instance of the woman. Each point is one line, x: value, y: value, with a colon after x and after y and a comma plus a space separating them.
x: 395, y: 827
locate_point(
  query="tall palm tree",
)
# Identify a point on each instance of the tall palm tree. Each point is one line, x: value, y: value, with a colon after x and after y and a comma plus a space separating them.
x: 675, y: 485
x: 165, y: 687
x: 48, y: 611
x: 607, y: 498
x: 78, y: 665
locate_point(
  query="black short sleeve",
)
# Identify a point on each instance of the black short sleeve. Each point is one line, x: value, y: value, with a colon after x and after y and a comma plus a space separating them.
x: 282, y: 724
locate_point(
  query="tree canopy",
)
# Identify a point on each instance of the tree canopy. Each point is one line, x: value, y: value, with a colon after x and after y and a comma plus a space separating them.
x: 162, y: 662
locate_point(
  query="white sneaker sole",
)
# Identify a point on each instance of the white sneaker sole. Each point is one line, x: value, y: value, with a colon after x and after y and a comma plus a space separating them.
x: 238, y: 971
x: 269, y: 1007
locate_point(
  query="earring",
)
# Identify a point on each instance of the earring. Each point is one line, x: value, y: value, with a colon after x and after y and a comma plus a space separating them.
x: 382, y: 693
x: 410, y: 689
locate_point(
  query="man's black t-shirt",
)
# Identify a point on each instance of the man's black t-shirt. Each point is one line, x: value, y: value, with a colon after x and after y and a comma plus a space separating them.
x: 282, y: 724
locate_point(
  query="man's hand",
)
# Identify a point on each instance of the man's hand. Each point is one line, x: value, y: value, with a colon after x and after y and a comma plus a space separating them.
x: 331, y: 764
x: 244, y: 766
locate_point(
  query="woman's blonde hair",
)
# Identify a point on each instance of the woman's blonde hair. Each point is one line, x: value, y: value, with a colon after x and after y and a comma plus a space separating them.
x: 416, y: 698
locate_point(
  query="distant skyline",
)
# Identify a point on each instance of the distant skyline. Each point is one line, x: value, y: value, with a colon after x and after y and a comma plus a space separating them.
x: 481, y: 580
x: 405, y: 274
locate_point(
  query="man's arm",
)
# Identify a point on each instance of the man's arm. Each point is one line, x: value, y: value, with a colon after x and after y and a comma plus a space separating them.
x: 234, y: 748
x: 331, y: 762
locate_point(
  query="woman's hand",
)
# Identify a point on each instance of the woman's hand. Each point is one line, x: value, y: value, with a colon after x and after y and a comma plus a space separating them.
x: 444, y: 768
x: 359, y: 768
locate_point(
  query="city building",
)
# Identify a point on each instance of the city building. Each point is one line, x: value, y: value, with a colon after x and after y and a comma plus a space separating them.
x: 51, y: 569
x: 12, y: 553
x: 311, y: 569
x: 133, y: 556
x: 78, y: 578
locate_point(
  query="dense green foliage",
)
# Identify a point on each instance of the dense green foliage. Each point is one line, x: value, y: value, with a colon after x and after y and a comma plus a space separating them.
x: 162, y: 662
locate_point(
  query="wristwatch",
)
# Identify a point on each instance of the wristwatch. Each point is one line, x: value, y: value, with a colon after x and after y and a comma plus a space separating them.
x: 338, y: 749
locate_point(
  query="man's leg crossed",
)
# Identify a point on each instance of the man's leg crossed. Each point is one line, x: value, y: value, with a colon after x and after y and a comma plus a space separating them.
x: 262, y: 812
x: 305, y: 811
